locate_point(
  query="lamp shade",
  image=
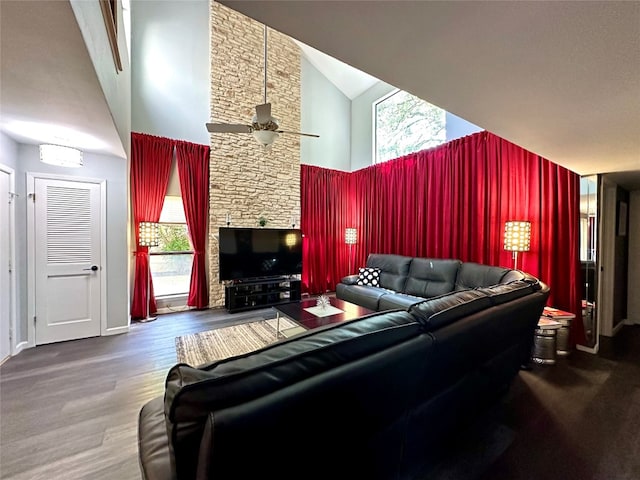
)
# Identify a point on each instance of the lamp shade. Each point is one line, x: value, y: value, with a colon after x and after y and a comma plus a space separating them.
x: 149, y: 234
x: 60, y: 156
x: 350, y: 236
x: 517, y: 236
x: 290, y: 239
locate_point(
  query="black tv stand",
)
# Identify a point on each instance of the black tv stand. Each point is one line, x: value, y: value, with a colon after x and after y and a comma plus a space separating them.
x: 255, y: 293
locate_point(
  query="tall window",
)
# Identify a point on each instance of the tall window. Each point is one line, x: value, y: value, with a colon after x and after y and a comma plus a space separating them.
x: 404, y: 124
x: 171, y: 260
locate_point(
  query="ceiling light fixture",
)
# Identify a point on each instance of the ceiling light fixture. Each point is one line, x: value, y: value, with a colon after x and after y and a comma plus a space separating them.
x: 265, y: 137
x: 60, y: 156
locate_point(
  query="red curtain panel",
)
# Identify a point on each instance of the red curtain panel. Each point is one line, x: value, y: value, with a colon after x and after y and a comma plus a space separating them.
x: 451, y: 201
x: 150, y: 167
x: 193, y: 169
x: 325, y: 214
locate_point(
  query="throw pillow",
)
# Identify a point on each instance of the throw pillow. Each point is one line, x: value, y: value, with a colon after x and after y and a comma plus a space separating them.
x: 369, y: 276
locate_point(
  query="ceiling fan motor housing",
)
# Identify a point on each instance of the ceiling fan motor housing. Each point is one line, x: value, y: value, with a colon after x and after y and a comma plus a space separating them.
x: 270, y: 125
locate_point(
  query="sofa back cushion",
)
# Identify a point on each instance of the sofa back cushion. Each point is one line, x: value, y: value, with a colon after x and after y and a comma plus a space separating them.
x: 192, y: 394
x: 473, y: 275
x: 445, y: 309
x: 507, y: 292
x: 431, y: 277
x: 393, y: 269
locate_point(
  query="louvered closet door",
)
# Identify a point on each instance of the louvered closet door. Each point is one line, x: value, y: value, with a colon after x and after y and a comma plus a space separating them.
x: 68, y: 274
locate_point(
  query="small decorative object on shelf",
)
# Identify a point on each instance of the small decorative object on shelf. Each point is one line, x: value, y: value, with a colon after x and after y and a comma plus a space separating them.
x: 262, y: 221
x: 323, y: 301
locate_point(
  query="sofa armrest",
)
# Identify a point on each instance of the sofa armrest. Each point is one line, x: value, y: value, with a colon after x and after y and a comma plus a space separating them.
x: 153, y: 443
x: 349, y: 280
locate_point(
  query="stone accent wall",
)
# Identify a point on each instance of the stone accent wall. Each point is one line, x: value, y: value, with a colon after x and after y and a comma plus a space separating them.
x: 247, y: 180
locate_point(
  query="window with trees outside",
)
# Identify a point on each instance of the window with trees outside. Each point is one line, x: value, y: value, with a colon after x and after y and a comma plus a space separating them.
x: 404, y: 124
x: 172, y: 259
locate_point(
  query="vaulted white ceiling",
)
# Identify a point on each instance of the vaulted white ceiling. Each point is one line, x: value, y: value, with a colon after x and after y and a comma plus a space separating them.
x: 561, y: 78
x: 350, y: 81
x: 49, y: 90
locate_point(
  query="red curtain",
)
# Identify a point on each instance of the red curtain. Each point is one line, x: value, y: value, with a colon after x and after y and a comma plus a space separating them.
x: 193, y: 169
x: 448, y: 202
x: 560, y: 214
x: 325, y: 213
x: 150, y: 167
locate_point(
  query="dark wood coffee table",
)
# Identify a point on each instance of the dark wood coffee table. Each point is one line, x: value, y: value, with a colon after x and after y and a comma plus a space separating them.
x: 296, y: 311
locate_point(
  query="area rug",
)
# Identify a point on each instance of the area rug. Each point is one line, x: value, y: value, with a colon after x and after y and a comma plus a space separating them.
x: 205, y: 347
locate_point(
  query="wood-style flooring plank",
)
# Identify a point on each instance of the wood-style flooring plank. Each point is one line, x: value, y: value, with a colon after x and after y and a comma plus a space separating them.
x: 70, y: 410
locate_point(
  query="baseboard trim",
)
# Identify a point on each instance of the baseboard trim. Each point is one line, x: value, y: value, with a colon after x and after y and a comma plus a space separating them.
x: 593, y: 350
x: 19, y: 347
x: 173, y: 309
x: 617, y: 328
x: 116, y: 330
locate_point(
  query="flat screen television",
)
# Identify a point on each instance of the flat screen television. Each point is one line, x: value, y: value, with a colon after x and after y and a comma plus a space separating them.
x: 251, y: 253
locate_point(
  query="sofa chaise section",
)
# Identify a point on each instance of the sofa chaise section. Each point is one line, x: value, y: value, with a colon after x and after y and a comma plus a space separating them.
x: 376, y: 398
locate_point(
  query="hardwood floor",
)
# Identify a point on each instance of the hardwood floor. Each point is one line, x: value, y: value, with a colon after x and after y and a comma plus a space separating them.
x: 69, y: 410
x: 576, y: 420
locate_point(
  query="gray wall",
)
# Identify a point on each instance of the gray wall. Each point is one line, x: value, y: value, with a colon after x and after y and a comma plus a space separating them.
x: 361, y: 125
x: 9, y: 158
x: 107, y: 167
x: 458, y: 127
x: 170, y: 69
x: 8, y: 151
x: 633, y: 299
x: 325, y: 111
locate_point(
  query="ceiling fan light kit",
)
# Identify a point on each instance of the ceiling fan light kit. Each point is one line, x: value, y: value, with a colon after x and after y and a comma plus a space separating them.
x: 265, y: 137
x: 264, y: 127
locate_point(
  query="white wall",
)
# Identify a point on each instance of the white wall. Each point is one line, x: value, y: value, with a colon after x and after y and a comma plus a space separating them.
x: 325, y: 111
x: 170, y: 69
x: 633, y: 299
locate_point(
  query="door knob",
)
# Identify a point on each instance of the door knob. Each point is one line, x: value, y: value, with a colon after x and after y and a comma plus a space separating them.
x: 93, y: 268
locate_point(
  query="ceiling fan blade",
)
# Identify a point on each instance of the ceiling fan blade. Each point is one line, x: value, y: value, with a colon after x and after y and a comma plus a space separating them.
x: 263, y: 113
x: 228, y: 128
x: 298, y: 133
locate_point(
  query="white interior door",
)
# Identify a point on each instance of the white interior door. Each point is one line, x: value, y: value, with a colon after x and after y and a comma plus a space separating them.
x: 67, y: 244
x: 5, y: 266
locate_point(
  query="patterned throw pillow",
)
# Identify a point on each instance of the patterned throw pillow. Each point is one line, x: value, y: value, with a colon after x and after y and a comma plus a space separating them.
x: 368, y: 276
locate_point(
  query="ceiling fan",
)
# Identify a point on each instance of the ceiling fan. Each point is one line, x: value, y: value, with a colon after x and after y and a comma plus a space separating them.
x: 263, y: 126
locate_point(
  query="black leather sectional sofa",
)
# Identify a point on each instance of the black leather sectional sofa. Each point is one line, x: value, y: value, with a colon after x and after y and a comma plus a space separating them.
x: 406, y: 281
x: 372, y: 398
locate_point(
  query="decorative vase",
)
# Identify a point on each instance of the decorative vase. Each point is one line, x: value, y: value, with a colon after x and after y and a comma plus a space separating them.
x: 323, y: 301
